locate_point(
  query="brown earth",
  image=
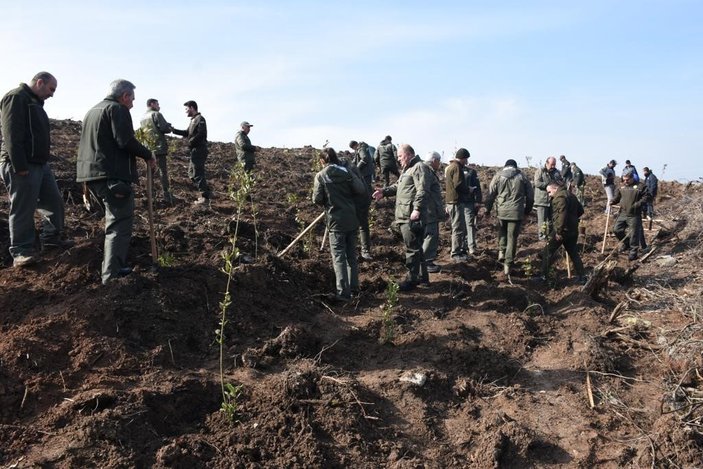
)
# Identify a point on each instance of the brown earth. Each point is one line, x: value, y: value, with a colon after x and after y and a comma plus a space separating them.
x: 127, y: 375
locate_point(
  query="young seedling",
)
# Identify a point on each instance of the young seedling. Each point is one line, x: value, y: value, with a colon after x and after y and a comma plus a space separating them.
x: 388, y: 325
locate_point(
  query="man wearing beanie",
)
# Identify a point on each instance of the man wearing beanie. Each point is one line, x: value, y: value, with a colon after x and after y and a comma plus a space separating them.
x: 513, y: 196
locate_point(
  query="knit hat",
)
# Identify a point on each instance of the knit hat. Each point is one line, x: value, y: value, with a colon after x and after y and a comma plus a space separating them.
x: 462, y: 153
x: 511, y: 163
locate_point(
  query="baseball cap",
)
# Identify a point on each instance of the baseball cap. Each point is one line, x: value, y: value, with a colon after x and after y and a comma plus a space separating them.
x: 245, y: 123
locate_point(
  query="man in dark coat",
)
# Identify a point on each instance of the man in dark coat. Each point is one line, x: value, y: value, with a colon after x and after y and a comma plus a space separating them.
x: 632, y: 197
x: 566, y: 211
x: 196, y: 135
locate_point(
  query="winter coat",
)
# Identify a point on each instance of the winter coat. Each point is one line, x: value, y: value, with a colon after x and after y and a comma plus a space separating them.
x: 631, y: 199
x: 652, y: 183
x: 335, y: 188
x: 435, y: 209
x: 607, y: 175
x: 387, y: 156
x: 544, y: 177
x: 565, y: 217
x: 566, y: 171
x: 363, y: 161
x: 25, y: 129
x: 108, y: 147
x: 196, y: 136
x: 154, y: 122
x: 579, y: 178
x: 412, y: 191
x: 455, y: 182
x: 473, y: 186
x: 512, y: 193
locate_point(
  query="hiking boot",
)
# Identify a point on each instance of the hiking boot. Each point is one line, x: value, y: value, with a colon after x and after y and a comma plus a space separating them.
x: 407, y: 285
x: 23, y: 261
x: 433, y: 268
x: 62, y: 244
x: 124, y: 271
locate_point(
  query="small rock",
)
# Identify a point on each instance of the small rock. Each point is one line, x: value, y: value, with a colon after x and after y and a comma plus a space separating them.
x: 666, y: 261
x: 414, y: 377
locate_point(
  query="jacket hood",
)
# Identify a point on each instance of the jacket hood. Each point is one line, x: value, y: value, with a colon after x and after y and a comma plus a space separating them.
x: 509, y: 172
x: 335, y: 174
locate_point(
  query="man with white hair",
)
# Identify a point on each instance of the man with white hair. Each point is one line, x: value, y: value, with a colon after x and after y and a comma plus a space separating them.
x: 412, y: 191
x: 435, y: 213
x: 107, y: 163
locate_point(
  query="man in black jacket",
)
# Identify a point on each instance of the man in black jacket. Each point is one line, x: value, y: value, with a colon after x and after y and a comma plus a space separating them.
x: 107, y: 163
x: 196, y: 134
x: 632, y: 197
x: 25, y: 169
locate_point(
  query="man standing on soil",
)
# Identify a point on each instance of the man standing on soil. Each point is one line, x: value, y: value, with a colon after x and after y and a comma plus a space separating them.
x: 435, y: 213
x: 107, y: 163
x: 632, y: 198
x: 607, y: 175
x: 412, y: 202
x: 363, y: 161
x: 543, y: 177
x: 566, y: 171
x: 196, y: 135
x: 335, y: 188
x: 471, y: 202
x: 652, y: 183
x: 513, y: 195
x: 387, y: 159
x: 456, y: 191
x: 154, y: 123
x: 25, y: 170
x: 246, y: 152
x: 566, y: 211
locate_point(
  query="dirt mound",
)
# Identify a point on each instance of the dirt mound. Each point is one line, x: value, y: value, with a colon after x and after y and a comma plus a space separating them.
x: 468, y: 371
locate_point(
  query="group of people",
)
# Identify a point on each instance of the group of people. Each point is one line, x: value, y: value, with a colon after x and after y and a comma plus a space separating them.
x: 635, y: 198
x: 106, y: 164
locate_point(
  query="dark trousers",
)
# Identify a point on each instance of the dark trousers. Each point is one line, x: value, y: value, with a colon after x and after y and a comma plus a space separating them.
x: 387, y: 171
x: 570, y: 244
x: 628, y: 229
x: 196, y: 173
x: 413, y: 233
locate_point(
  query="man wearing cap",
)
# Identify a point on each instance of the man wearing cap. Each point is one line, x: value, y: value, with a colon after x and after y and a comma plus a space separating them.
x: 543, y: 177
x: 566, y: 172
x: 607, y: 175
x: 196, y: 135
x: 435, y: 213
x: 456, y: 190
x: 387, y: 159
x: 412, y: 192
x: 513, y: 196
x: 246, y: 152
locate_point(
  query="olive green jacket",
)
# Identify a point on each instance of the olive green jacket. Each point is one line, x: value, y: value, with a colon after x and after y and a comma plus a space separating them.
x: 387, y: 156
x: 512, y: 194
x: 544, y: 177
x: 335, y: 188
x: 154, y: 123
x: 565, y: 217
x: 435, y: 208
x: 455, y: 182
x: 411, y: 191
x: 246, y: 152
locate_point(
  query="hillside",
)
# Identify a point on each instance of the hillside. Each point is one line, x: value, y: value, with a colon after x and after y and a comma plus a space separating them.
x: 475, y: 372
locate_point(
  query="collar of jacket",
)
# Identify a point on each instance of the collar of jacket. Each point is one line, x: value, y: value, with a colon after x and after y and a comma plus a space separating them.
x: 31, y: 93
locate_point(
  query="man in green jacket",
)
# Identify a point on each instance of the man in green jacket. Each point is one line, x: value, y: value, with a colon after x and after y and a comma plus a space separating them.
x: 470, y: 201
x: 632, y: 198
x: 364, y: 162
x: 155, y: 125
x: 387, y: 159
x: 543, y: 177
x: 565, y: 223
x: 334, y: 188
x: 412, y: 200
x: 196, y: 135
x: 107, y: 163
x: 435, y: 213
x: 26, y: 172
x: 513, y: 196
x: 246, y: 152
x: 456, y: 190
x: 579, y: 183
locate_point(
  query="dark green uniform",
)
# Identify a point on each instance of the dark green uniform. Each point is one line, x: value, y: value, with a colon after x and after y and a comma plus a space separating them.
x: 565, y: 222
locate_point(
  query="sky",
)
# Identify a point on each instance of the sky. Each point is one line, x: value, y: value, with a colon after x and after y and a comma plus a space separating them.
x: 593, y: 80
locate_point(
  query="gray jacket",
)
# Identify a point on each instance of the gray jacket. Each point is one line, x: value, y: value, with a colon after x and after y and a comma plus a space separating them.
x: 411, y: 191
x: 154, y: 122
x: 544, y: 177
x: 512, y: 194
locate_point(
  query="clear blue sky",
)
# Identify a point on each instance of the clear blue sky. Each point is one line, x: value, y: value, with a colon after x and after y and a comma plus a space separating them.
x: 593, y: 80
